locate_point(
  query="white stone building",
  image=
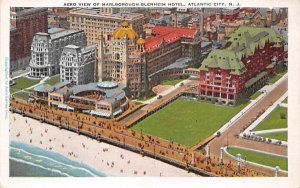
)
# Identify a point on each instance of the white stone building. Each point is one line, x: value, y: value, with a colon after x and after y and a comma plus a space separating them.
x: 46, y: 50
x: 77, y: 64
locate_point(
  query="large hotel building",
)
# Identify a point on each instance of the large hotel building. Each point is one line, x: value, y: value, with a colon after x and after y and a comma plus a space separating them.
x: 77, y: 64
x: 46, y: 49
x: 243, y: 67
x: 140, y: 63
x: 94, y: 21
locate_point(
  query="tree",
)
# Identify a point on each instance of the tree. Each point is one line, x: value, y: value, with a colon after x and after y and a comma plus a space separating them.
x: 282, y: 115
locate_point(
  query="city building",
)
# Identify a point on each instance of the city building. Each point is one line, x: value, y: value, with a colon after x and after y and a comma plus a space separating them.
x: 58, y: 17
x: 77, y: 64
x: 24, y: 24
x: 180, y: 19
x: 103, y: 20
x: 104, y: 99
x: 121, y: 58
x: 46, y: 50
x: 140, y: 63
x: 239, y: 70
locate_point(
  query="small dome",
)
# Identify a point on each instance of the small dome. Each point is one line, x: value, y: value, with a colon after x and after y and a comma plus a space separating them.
x: 120, y: 33
x: 124, y: 24
x: 141, y: 41
x: 107, y: 85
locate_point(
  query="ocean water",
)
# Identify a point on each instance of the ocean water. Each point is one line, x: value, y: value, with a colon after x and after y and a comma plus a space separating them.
x: 29, y: 161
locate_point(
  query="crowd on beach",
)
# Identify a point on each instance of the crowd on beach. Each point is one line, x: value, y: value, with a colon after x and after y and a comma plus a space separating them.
x: 101, y: 156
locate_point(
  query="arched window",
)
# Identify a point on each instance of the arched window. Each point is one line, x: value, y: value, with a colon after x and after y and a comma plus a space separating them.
x: 117, y: 56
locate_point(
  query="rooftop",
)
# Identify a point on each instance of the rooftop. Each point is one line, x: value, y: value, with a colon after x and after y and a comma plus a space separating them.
x: 110, y: 94
x: 244, y: 42
x: 56, y: 33
x: 179, y: 64
x: 96, y: 12
x: 168, y: 35
x: 72, y: 46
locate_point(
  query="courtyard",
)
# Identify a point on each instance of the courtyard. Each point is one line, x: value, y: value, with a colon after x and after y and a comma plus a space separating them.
x: 187, y: 121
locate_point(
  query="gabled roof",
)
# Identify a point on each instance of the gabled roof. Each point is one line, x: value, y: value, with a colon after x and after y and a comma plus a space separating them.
x: 244, y: 42
x: 168, y: 35
x: 224, y: 59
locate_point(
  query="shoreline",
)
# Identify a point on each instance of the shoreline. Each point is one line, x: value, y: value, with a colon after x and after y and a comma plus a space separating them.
x: 105, y: 158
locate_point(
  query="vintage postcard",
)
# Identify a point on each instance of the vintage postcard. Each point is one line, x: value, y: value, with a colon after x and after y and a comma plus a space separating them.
x: 187, y: 93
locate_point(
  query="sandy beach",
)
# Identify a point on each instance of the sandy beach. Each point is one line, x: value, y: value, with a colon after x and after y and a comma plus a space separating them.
x: 103, y: 157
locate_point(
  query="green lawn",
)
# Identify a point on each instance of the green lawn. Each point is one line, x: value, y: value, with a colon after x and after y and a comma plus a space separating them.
x: 187, y: 122
x: 273, y: 121
x: 23, y: 83
x: 255, y: 95
x: 53, y: 80
x: 260, y: 158
x: 279, y: 136
x: 277, y: 77
x: 171, y: 82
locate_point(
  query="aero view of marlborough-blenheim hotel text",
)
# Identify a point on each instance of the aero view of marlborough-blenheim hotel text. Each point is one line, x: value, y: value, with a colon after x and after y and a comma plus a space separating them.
x: 138, y: 92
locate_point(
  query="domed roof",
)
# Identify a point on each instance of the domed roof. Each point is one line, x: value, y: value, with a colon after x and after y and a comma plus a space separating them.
x: 141, y: 41
x: 120, y: 33
x: 107, y: 85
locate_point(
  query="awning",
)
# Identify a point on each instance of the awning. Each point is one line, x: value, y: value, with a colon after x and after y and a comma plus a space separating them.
x: 62, y: 106
x: 86, y: 111
x: 117, y: 112
x: 70, y: 108
x: 55, y: 103
x: 250, y: 82
x: 102, y: 114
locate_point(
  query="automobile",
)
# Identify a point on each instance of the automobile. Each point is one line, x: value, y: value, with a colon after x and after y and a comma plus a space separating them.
x: 159, y: 97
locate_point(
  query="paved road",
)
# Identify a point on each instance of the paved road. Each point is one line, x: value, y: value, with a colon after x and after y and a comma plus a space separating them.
x: 235, y: 129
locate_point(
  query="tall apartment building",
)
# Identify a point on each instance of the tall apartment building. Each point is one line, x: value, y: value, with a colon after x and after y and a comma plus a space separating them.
x: 77, y: 64
x: 103, y: 20
x: 24, y: 24
x: 46, y: 50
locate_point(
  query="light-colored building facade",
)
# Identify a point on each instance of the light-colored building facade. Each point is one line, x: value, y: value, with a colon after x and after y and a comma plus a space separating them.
x: 77, y: 64
x: 103, y: 20
x: 46, y: 50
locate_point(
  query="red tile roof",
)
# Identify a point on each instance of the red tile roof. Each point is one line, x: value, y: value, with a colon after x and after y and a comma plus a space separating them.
x: 248, y: 10
x: 168, y: 35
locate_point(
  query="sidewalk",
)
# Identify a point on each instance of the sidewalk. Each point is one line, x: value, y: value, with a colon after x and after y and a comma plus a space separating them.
x: 166, y: 92
x: 270, y: 131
